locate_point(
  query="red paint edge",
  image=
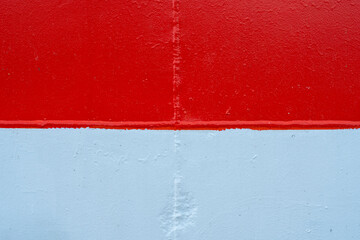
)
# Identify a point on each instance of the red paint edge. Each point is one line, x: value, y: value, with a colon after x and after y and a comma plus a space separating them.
x: 184, y: 125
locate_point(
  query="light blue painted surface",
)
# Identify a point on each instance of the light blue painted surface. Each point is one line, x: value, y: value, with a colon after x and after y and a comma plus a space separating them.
x: 237, y: 184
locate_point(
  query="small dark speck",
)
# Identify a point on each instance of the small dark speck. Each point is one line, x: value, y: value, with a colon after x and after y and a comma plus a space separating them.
x: 38, y: 69
x: 330, y: 230
x: 293, y: 136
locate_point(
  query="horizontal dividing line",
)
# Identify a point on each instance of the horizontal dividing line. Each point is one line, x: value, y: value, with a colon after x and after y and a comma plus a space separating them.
x: 183, y: 125
x: 86, y: 124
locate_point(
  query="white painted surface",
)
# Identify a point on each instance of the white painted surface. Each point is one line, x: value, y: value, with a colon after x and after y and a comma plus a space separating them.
x: 236, y: 184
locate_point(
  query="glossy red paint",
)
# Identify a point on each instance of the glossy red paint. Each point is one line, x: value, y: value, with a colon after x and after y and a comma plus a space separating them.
x: 185, y: 64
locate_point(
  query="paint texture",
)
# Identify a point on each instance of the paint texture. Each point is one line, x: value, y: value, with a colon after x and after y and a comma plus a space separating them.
x: 72, y: 184
x: 180, y: 64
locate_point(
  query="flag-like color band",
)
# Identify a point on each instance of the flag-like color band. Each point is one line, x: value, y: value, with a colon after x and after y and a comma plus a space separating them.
x: 177, y: 185
x: 180, y: 64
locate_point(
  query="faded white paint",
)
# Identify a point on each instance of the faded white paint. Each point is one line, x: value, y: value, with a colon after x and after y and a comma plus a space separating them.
x: 235, y: 184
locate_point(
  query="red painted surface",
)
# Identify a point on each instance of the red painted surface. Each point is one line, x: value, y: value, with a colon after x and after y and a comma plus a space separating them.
x: 180, y: 65
x: 86, y: 60
x: 270, y: 60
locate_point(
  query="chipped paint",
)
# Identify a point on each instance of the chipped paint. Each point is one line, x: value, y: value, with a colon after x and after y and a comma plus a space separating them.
x: 181, y: 212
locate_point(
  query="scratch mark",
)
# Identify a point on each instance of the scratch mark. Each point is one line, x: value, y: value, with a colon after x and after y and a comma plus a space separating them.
x: 176, y: 59
x: 181, y: 211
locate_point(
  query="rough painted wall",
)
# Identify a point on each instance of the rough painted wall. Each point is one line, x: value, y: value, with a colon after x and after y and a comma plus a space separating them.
x: 72, y: 184
x: 180, y: 63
